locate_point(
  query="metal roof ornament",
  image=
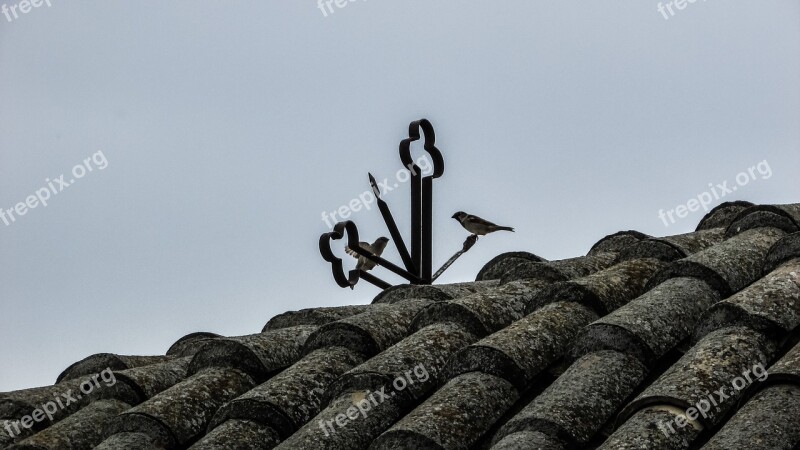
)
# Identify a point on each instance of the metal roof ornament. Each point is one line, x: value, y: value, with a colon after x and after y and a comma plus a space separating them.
x: 418, y: 262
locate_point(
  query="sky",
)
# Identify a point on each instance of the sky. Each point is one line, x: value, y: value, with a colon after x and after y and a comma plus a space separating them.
x: 210, y: 137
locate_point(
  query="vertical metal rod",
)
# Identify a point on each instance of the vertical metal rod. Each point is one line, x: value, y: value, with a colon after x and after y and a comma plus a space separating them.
x: 427, y: 229
x: 416, y: 219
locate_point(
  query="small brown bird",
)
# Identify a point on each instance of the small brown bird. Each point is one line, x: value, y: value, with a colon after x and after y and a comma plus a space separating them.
x: 376, y: 248
x: 478, y: 226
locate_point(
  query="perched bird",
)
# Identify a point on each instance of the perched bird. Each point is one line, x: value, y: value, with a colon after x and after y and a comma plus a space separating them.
x: 376, y: 248
x: 476, y: 225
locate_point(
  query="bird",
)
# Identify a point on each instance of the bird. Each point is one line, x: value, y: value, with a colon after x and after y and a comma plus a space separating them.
x: 478, y: 226
x: 376, y: 248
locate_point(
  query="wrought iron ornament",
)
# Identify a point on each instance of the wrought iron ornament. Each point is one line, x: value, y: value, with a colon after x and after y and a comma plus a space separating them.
x: 417, y: 262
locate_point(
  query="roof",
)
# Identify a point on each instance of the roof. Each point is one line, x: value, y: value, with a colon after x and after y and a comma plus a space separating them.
x: 673, y: 342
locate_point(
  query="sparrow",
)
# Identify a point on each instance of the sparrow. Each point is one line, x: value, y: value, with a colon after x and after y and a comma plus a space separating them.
x: 476, y: 225
x: 376, y: 248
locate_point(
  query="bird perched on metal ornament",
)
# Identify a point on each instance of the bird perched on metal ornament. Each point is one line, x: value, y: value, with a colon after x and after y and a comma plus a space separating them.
x: 476, y: 225
x: 376, y: 248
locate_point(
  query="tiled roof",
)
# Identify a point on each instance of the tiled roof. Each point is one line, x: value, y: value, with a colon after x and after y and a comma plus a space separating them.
x: 686, y: 341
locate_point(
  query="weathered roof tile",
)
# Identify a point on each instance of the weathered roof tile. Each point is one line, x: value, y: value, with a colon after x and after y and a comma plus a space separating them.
x: 97, y: 363
x: 603, y: 291
x: 494, y: 269
x: 787, y: 369
x: 258, y: 355
x: 239, y: 434
x: 727, y: 267
x: 582, y: 266
x: 771, y: 304
x: 672, y: 248
x: 616, y: 242
x: 439, y: 292
x: 652, y: 324
x: 770, y: 420
x: 190, y: 344
x: 714, y: 363
x: 289, y: 399
x: 342, y: 425
x: 785, y: 249
x: 560, y: 270
x: 580, y: 401
x: 179, y: 415
x: 481, y: 313
x: 67, y: 395
x: 418, y: 360
x: 652, y: 428
x: 130, y: 441
x: 454, y: 417
x: 722, y: 215
x: 524, y: 349
x: 84, y: 429
x: 528, y: 440
x: 149, y: 380
x: 370, y: 332
x: 313, y: 316
x: 783, y: 217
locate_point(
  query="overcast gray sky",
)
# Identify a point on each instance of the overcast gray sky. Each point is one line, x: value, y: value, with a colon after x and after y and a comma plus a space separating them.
x: 227, y: 128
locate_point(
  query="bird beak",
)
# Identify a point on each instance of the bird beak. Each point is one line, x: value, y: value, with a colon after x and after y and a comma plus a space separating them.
x: 454, y: 216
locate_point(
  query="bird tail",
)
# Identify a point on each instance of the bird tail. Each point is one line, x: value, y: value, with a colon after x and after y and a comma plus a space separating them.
x: 499, y: 228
